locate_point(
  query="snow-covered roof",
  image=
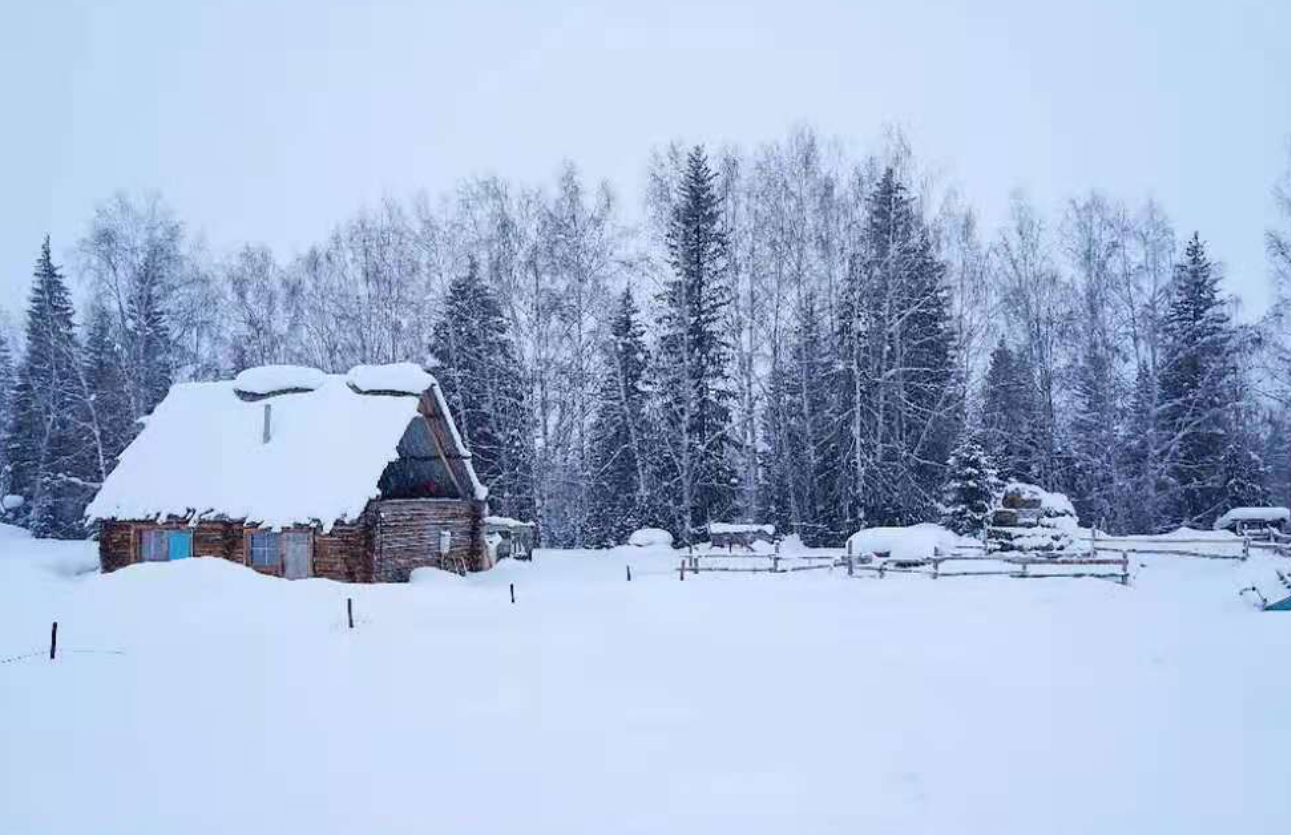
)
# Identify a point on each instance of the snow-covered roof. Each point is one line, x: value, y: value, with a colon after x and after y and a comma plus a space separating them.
x: 202, y: 453
x: 1053, y: 504
x: 1252, y: 514
x: 734, y: 527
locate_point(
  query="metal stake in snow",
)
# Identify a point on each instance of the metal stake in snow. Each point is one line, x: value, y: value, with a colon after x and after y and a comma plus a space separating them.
x: 53, y: 641
x: 513, y: 593
x: 264, y: 438
x: 349, y: 610
x: 629, y: 568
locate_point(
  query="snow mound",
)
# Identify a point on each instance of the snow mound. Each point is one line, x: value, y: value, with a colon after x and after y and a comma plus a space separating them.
x: 1051, y: 504
x: 401, y: 377
x: 916, y: 542
x: 11, y: 502
x: 647, y: 537
x: 274, y: 379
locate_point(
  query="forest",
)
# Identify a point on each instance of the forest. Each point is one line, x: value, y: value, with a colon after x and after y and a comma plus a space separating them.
x: 796, y: 334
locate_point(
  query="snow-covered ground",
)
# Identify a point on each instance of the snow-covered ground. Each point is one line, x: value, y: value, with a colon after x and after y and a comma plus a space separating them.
x: 199, y: 697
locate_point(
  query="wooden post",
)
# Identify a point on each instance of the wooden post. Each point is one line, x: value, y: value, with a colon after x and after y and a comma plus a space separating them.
x: 629, y: 568
x: 1093, y: 542
x: 349, y: 610
x: 513, y: 593
x: 1125, y: 568
x: 681, y: 571
x: 851, y: 565
x: 1246, y: 548
x: 267, y: 431
x: 936, y: 561
x: 775, y: 564
x: 882, y: 569
x: 53, y: 641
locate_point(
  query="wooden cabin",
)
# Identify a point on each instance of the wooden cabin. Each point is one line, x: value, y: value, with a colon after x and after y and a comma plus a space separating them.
x: 360, y: 477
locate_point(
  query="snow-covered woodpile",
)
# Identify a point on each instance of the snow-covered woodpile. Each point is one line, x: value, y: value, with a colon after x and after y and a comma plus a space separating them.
x: 297, y: 473
x: 1031, y: 518
x: 1257, y: 520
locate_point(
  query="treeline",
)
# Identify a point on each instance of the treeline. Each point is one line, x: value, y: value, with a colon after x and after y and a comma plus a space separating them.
x: 791, y: 335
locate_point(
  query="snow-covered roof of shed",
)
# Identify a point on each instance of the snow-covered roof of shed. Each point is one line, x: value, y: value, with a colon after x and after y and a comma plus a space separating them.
x: 402, y: 377
x: 1253, y: 514
x: 202, y: 455
x: 265, y: 380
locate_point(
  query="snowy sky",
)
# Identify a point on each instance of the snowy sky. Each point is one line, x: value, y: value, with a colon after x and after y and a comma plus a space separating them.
x: 269, y: 122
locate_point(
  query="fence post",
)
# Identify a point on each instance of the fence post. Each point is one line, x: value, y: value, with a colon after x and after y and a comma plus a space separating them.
x: 513, y: 592
x: 936, y: 561
x: 349, y: 610
x: 1246, y: 548
x: 681, y: 571
x: 629, y: 568
x: 53, y: 641
x: 775, y: 564
x: 1125, y: 568
x: 1093, y: 542
x: 851, y: 566
x: 882, y: 570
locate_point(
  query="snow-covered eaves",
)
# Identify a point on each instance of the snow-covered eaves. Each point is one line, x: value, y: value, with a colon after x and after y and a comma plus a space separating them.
x: 203, y: 453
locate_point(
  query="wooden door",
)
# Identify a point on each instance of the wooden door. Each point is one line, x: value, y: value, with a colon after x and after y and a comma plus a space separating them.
x: 295, y: 555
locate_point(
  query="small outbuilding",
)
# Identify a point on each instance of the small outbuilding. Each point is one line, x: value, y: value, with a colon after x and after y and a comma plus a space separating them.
x: 1245, y: 521
x: 361, y: 477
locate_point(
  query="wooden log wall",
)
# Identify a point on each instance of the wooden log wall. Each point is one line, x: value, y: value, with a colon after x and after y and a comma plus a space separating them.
x: 407, y: 535
x: 341, y: 554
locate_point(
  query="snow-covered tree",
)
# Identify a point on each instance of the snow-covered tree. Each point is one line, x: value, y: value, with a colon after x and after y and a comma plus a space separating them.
x: 46, y: 455
x: 696, y: 478
x: 621, y: 439
x: 484, y: 385
x: 972, y: 488
x: 1195, y: 387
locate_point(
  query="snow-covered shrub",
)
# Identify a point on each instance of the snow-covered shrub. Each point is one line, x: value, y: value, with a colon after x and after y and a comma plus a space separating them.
x: 650, y: 537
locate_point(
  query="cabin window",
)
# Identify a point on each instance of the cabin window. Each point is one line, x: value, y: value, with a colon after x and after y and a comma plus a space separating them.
x: 266, y: 549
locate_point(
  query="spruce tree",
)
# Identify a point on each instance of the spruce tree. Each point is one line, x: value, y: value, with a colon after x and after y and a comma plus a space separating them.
x: 1195, y: 377
x: 694, y: 357
x: 899, y: 405
x: 972, y: 488
x: 484, y: 384
x: 46, y: 455
x: 1009, y: 414
x: 107, y: 406
x: 620, y: 498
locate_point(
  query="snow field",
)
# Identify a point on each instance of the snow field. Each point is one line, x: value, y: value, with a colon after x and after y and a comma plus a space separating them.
x: 799, y: 703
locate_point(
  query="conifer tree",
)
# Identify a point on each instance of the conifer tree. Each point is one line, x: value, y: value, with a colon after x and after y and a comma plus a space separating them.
x: 484, y: 385
x: 7, y: 383
x: 45, y: 454
x: 693, y: 359
x: 899, y: 404
x: 107, y: 408
x: 1195, y: 380
x: 972, y: 488
x: 620, y: 499
x: 1009, y: 414
x: 152, y: 350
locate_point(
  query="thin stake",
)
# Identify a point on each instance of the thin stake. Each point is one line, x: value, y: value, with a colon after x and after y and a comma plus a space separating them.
x: 629, y: 568
x: 53, y: 641
x: 513, y: 592
x: 681, y: 571
x: 349, y: 610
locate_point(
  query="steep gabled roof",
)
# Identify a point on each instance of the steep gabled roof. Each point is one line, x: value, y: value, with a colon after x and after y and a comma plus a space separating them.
x: 202, y: 454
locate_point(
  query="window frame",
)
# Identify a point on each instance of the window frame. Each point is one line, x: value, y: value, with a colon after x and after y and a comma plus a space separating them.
x: 280, y: 539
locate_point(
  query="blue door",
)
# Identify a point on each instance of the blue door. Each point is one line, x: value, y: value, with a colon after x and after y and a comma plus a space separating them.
x: 180, y: 544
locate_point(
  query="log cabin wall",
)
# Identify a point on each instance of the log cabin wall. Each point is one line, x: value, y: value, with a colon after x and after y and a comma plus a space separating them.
x: 407, y: 537
x: 341, y: 554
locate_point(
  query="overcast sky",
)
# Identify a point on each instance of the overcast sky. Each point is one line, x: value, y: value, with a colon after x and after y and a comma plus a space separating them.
x: 269, y: 122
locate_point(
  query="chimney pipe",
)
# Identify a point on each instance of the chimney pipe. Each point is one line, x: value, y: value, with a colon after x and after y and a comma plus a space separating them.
x: 268, y: 407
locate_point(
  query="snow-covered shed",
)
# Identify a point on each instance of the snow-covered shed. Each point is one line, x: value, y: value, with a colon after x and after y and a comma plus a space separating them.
x: 359, y: 477
x: 1244, y: 520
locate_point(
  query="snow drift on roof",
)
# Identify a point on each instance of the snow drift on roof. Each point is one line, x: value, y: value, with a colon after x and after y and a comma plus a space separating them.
x: 202, y: 455
x: 402, y: 377
x: 269, y: 379
x: 733, y: 527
